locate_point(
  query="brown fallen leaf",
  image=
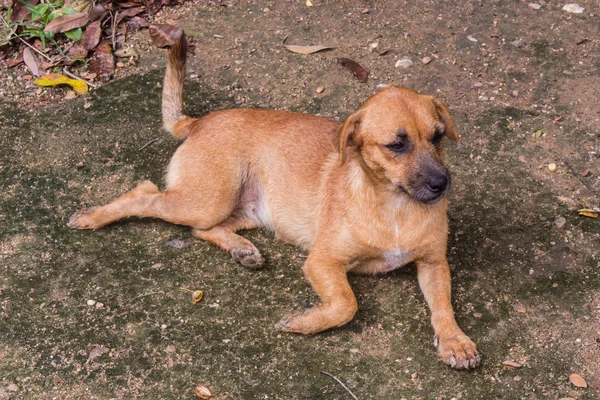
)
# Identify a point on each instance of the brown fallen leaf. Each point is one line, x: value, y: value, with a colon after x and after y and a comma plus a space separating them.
x: 138, y: 22
x: 97, y: 12
x: 511, y: 364
x: 164, y: 35
x: 102, y: 61
x: 202, y: 391
x: 77, y: 51
x: 306, y: 49
x: 31, y: 61
x: 20, y: 11
x: 91, y: 36
x: 130, y: 12
x: 588, y: 212
x: 67, y: 22
x: 585, y: 173
x: 578, y: 381
x: 357, y: 70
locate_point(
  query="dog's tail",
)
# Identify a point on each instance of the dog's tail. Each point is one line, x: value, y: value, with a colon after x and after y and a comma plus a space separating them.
x: 172, y: 98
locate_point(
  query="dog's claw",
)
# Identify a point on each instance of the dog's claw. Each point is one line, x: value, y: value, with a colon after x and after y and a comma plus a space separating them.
x: 458, y: 351
x: 248, y: 257
x: 80, y: 220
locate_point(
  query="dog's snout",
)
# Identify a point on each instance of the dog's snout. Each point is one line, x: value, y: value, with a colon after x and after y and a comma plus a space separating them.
x: 437, y: 183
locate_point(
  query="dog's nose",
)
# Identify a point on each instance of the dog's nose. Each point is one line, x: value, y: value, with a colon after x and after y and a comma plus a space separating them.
x: 437, y: 183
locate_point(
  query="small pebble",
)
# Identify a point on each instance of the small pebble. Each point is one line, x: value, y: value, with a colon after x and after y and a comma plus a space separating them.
x: 552, y: 167
x: 577, y: 340
x: 99, y: 305
x: 320, y: 89
x: 426, y: 60
x: 518, y: 43
x: 514, y: 93
x: 560, y: 222
x: 12, y: 387
x: 404, y: 62
x: 573, y: 8
x: 158, y: 266
x: 353, y: 351
x: 517, y: 378
x: 164, y: 326
x: 91, y: 302
x: 477, y: 315
x: 177, y: 244
x: 535, y: 6
x: 555, y: 285
x: 170, y: 349
x: 226, y: 341
x: 478, y: 84
x: 483, y: 98
x: 374, y: 45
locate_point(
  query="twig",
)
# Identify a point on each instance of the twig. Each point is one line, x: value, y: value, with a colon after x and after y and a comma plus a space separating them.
x: 340, y: 382
x: 114, y: 28
x: 572, y: 171
x: 148, y: 144
x: 73, y: 76
x: 147, y: 294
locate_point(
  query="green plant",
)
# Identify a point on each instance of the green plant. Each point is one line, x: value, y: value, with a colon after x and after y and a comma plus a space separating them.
x: 41, y: 15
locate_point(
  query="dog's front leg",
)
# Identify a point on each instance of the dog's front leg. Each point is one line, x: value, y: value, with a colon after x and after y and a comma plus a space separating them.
x: 454, y: 347
x: 328, y: 278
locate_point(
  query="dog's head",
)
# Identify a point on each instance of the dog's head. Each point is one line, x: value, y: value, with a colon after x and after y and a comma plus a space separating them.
x: 396, y: 136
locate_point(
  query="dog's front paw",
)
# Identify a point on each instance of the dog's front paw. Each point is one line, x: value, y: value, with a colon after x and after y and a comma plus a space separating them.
x: 249, y: 257
x: 294, y: 322
x: 457, y: 350
x: 83, y: 219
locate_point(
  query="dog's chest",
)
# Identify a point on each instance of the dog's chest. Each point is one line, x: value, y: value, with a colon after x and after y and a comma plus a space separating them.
x: 397, y: 258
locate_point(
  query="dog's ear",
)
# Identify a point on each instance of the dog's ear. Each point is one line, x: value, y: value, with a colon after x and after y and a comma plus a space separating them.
x: 348, y: 134
x: 446, y: 119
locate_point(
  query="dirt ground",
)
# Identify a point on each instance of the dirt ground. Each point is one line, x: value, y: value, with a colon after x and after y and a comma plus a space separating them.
x: 108, y: 314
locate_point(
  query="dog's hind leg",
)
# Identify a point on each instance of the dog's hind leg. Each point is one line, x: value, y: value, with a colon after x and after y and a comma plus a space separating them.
x: 224, y: 236
x: 174, y: 205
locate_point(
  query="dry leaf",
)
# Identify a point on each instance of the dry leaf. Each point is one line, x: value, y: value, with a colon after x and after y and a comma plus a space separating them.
x: 309, y: 3
x: 164, y: 35
x: 588, y: 212
x: 511, y: 364
x: 91, y: 36
x: 97, y: 12
x: 306, y: 49
x: 58, y: 79
x: 578, y: 381
x: 126, y: 53
x: 67, y: 22
x: 521, y: 308
x: 20, y: 11
x: 202, y: 391
x: 102, y: 61
x: 138, y: 22
x: 197, y: 295
x: 357, y: 70
x: 131, y: 12
x: 78, y: 51
x: 31, y: 61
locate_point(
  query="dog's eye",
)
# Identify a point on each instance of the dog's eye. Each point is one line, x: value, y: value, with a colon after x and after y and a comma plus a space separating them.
x: 398, y: 147
x: 437, y: 137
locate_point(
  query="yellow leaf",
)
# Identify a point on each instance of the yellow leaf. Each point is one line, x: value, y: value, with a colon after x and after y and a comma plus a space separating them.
x: 309, y: 3
x: 57, y: 79
x: 588, y: 212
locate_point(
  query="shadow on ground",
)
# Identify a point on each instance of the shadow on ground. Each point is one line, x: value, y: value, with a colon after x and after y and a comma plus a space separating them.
x: 108, y: 314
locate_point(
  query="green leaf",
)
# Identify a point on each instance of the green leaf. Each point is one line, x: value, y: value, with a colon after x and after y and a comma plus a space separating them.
x: 74, y: 34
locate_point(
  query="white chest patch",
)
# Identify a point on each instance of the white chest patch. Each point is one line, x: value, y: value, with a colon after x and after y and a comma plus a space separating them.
x: 398, y: 258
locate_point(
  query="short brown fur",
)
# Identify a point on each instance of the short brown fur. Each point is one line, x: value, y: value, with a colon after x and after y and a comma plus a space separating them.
x: 366, y: 196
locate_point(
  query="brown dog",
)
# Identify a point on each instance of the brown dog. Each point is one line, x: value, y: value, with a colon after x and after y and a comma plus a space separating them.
x: 367, y: 196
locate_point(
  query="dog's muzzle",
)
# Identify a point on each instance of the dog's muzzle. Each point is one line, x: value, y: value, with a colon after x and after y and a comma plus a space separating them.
x: 430, y: 189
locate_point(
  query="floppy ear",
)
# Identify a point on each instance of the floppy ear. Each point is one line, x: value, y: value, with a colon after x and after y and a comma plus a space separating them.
x: 446, y: 119
x: 348, y: 134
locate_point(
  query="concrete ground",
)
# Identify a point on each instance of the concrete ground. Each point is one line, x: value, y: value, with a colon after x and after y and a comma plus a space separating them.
x: 108, y: 314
